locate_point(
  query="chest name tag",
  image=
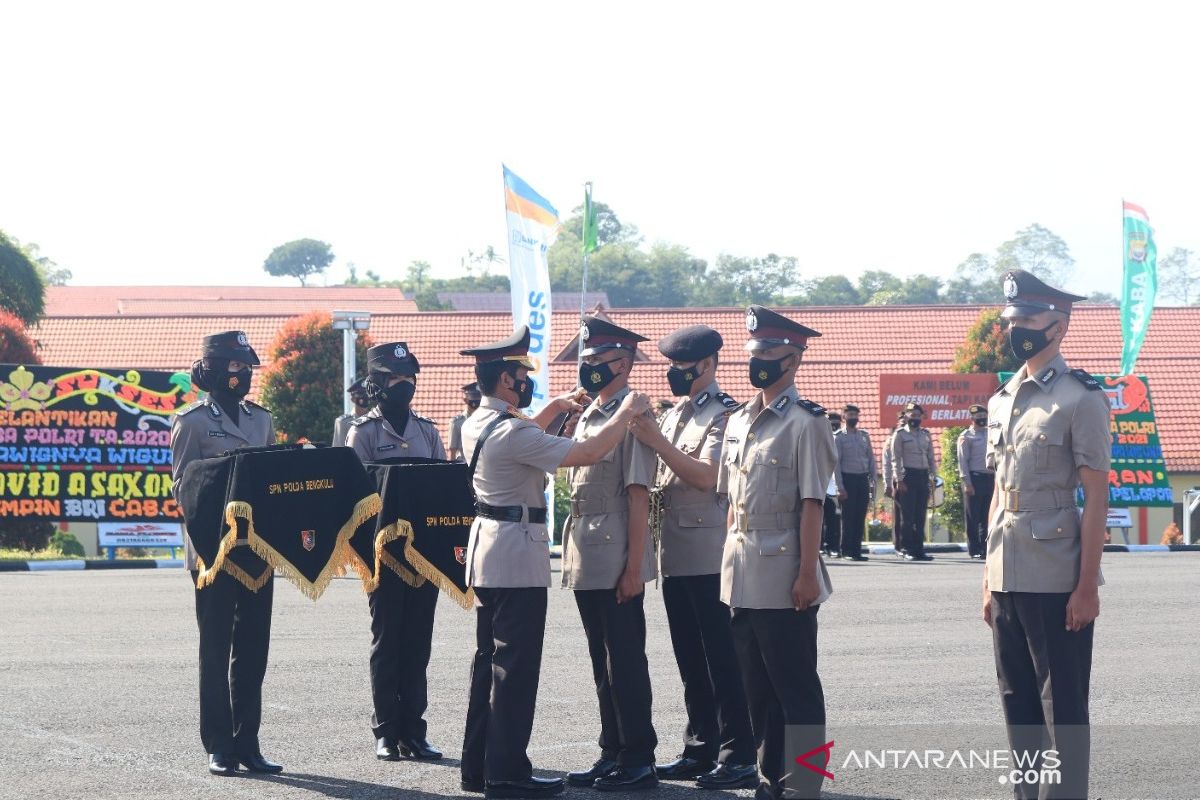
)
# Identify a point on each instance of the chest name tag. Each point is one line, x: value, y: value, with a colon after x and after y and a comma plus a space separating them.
x: 220, y: 434
x: 386, y: 447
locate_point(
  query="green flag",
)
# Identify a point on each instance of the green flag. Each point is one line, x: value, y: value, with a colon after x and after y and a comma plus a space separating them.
x: 1140, y: 284
x: 589, y: 220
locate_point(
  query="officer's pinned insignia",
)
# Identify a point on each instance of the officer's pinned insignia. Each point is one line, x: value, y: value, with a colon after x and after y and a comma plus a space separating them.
x: 751, y: 320
x: 214, y: 409
x: 611, y: 405
x: 815, y: 409
x: 1085, y: 377
x: 782, y: 403
x: 308, y: 540
x: 1048, y: 375
x: 460, y: 555
x: 702, y: 400
x: 727, y: 401
x: 596, y: 377
x: 400, y: 352
x: 242, y: 340
x: 583, y: 333
x: 245, y: 406
x: 1010, y: 286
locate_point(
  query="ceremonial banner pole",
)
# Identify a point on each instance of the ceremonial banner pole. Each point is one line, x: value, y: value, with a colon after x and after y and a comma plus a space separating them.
x: 589, y: 244
x: 1140, y: 283
x: 532, y: 228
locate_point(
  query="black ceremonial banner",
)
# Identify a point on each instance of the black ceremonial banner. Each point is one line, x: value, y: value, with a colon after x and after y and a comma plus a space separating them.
x: 299, y: 509
x: 426, y: 520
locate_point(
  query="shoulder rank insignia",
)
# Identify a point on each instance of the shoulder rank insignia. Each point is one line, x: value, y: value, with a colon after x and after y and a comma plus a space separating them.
x: 363, y: 420
x: 727, y: 401
x: 1048, y: 375
x: 782, y: 403
x: 702, y: 400
x: 611, y: 405
x: 214, y: 410
x: 1085, y: 377
x: 425, y: 419
x: 813, y: 408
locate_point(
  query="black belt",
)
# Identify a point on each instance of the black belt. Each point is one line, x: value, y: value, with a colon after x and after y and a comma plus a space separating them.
x: 510, y: 513
x: 983, y: 474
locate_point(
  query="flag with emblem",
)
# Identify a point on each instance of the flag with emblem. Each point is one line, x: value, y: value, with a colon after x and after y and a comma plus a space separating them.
x: 1140, y: 283
x: 589, y: 220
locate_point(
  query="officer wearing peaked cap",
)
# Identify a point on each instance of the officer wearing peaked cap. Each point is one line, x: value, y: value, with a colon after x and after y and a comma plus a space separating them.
x: 234, y: 621
x: 977, y: 479
x: 508, y: 558
x: 471, y: 399
x: 358, y: 403
x: 608, y: 556
x: 1048, y: 434
x: 913, y: 470
x: 777, y: 461
x: 718, y: 746
x: 404, y: 604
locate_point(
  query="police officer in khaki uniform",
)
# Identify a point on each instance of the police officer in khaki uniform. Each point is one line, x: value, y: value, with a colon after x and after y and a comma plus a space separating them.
x: 234, y: 622
x: 358, y: 402
x: 913, y: 469
x: 718, y: 746
x: 777, y: 461
x: 978, y: 480
x: 1048, y: 434
x: 607, y: 558
x: 471, y: 399
x: 889, y: 481
x: 508, y: 559
x: 402, y: 607
x: 831, y: 529
x: 856, y: 478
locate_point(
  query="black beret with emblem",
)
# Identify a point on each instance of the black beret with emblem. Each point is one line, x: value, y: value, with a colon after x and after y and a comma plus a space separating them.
x: 514, y: 348
x: 768, y: 328
x: 850, y: 407
x: 357, y: 387
x: 598, y: 335
x: 232, y: 345
x: 914, y: 407
x: 394, y: 358
x: 977, y: 409
x: 691, y: 343
x: 1028, y: 295
x: 834, y: 416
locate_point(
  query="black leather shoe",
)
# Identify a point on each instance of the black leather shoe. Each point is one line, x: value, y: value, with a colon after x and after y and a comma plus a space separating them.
x: 683, y: 769
x: 627, y: 779
x: 222, y: 764
x: 386, y: 749
x: 858, y: 558
x: 473, y: 785
x: 730, y: 776
x: 256, y: 763
x: 532, y: 787
x: 922, y: 557
x: 419, y: 749
x: 587, y: 777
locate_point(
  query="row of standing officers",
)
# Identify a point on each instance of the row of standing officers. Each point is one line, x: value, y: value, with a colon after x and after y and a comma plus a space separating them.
x: 739, y: 490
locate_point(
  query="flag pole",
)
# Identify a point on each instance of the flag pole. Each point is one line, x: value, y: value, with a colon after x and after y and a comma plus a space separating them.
x: 587, y: 190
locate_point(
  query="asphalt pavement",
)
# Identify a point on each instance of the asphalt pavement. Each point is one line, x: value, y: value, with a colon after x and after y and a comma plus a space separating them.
x: 98, y: 687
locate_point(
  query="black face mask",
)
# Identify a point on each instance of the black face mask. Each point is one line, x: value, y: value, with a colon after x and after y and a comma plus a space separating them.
x: 524, y: 390
x: 837, y: 426
x: 913, y: 423
x: 236, y: 383
x: 981, y: 421
x: 595, y: 378
x: 764, y: 372
x: 395, y: 399
x: 852, y: 423
x: 1028, y: 342
x: 681, y: 380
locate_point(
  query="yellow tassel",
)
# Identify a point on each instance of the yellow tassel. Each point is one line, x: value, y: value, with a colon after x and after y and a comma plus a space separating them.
x: 402, y: 528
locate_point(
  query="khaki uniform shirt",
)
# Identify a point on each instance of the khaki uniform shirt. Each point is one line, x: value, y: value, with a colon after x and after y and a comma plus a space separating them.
x: 596, y: 538
x: 887, y: 463
x: 511, y: 471
x: 855, y: 454
x: 374, y: 438
x: 341, y: 429
x: 912, y: 450
x: 693, y: 521
x: 972, y: 453
x: 456, y: 424
x: 203, y: 430
x: 774, y: 459
x: 1041, y: 430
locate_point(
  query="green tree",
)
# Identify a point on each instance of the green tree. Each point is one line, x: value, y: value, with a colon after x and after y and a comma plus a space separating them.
x: 917, y: 290
x: 741, y: 280
x: 303, y: 384
x: 874, y: 281
x: 21, y: 288
x: 422, y: 288
x: 830, y: 290
x: 50, y: 272
x: 1179, y: 277
x: 975, y: 282
x: 16, y: 347
x: 1039, y: 251
x: 299, y: 259
x: 1102, y: 299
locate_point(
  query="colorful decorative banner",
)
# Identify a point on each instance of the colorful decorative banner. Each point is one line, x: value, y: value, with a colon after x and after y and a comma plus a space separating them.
x: 1138, y: 475
x: 1140, y: 283
x: 945, y: 397
x: 88, y: 445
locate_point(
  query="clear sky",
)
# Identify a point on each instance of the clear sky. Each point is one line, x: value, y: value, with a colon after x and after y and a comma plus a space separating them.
x: 156, y: 142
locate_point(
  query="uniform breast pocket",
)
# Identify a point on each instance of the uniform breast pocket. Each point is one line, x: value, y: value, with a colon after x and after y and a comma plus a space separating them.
x: 537, y: 533
x: 995, y: 438
x: 1048, y: 451
x: 1062, y: 524
x: 778, y: 543
x: 775, y: 472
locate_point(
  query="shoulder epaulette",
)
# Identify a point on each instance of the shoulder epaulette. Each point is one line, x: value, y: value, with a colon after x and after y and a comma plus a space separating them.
x: 813, y: 408
x: 363, y: 420
x: 425, y: 419
x: 190, y: 407
x: 256, y: 405
x: 1085, y: 377
x: 728, y: 401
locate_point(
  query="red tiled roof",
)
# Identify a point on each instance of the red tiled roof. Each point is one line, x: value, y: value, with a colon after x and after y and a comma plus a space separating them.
x: 859, y: 343
x: 170, y: 301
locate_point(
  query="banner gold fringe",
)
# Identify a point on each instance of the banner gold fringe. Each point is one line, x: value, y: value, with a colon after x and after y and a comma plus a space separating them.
x: 364, y: 509
x: 402, y: 528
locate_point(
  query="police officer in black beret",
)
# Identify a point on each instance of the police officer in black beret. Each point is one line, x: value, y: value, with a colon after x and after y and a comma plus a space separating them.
x: 234, y: 620
x: 359, y: 406
x: 403, y: 606
x: 718, y: 746
x: 471, y: 399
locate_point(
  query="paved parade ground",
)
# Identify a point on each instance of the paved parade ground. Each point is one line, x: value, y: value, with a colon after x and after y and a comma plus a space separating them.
x: 98, y: 681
